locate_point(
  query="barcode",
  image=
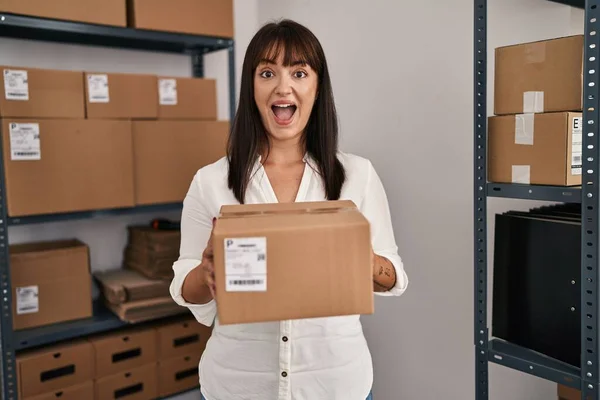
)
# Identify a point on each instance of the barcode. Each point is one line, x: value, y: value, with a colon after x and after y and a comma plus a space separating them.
x: 26, y: 153
x: 577, y: 159
x: 16, y: 94
x: 27, y: 308
x: 244, y: 282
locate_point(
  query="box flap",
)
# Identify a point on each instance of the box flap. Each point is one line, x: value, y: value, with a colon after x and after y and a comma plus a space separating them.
x: 243, y: 210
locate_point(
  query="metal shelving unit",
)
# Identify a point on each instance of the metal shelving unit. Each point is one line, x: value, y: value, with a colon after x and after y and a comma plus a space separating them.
x: 586, y: 378
x: 24, y: 27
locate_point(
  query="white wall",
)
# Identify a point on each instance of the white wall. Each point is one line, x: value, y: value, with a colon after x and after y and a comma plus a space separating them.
x: 107, y: 236
x: 402, y: 77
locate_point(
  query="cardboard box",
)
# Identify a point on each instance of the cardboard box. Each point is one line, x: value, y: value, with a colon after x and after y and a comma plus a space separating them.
x: 135, y: 384
x: 41, y: 93
x: 104, y: 12
x: 537, y: 149
x: 182, y: 338
x: 169, y: 153
x: 54, y: 368
x: 568, y: 393
x: 51, y: 282
x: 177, y: 375
x: 290, y: 261
x: 147, y: 310
x: 196, y: 17
x: 77, y: 392
x: 187, y: 98
x: 152, y: 252
x: 544, y: 76
x: 122, y: 351
x: 73, y: 165
x: 120, y: 96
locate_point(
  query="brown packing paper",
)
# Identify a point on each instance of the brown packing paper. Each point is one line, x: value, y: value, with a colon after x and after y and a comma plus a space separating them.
x: 146, y: 310
x: 122, y: 286
x: 300, y: 260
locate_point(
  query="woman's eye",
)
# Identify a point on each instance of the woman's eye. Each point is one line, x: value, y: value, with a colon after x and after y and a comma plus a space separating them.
x: 266, y: 74
x: 300, y: 74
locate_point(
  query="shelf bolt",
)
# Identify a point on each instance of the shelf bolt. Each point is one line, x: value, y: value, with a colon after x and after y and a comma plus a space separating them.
x: 481, y: 332
x: 481, y: 342
x: 572, y: 308
x: 531, y: 367
x: 589, y: 363
x: 572, y: 282
x: 590, y: 386
x: 589, y: 374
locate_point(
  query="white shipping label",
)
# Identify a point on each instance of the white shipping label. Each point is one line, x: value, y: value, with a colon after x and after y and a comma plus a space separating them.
x: 246, y: 264
x: 16, y: 85
x: 521, y: 174
x: 27, y: 300
x: 25, y: 141
x: 167, y: 92
x: 98, y: 88
x: 576, y: 147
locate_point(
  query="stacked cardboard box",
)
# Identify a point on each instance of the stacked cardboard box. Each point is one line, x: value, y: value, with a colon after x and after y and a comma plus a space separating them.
x: 536, y: 135
x: 104, y: 12
x: 51, y: 283
x: 144, y: 363
x: 91, y: 140
x: 152, y: 252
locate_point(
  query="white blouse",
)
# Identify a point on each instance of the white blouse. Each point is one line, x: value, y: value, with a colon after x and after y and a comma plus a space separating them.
x: 309, y: 359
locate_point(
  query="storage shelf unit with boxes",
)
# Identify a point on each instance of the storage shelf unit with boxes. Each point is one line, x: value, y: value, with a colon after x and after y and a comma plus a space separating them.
x: 540, y: 144
x: 79, y: 144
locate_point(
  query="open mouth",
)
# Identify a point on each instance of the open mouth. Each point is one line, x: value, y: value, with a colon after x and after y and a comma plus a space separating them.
x: 283, y: 112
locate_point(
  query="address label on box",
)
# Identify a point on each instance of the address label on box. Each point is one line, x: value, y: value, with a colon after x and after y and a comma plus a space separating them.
x: 16, y: 85
x: 167, y: 91
x: 98, y: 88
x: 246, y: 264
x: 28, y: 300
x: 25, y: 141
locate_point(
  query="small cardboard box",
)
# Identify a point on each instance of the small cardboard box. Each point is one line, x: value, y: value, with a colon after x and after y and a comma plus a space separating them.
x: 187, y: 98
x: 122, y: 351
x: 73, y: 165
x: 568, y: 393
x: 536, y: 149
x: 51, y: 282
x: 182, y: 338
x: 55, y: 368
x: 544, y: 76
x: 76, y: 392
x: 41, y: 93
x: 196, y: 17
x: 120, y: 96
x: 104, y: 12
x: 177, y: 374
x: 135, y: 384
x: 169, y: 153
x: 290, y: 261
x: 125, y: 285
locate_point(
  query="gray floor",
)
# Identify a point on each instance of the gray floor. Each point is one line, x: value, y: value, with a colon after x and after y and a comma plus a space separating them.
x: 195, y: 395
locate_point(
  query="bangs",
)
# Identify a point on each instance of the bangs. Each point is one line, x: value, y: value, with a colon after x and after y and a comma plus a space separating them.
x: 298, y: 48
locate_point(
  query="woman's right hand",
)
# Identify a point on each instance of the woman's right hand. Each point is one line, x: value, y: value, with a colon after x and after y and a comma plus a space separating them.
x: 207, y: 265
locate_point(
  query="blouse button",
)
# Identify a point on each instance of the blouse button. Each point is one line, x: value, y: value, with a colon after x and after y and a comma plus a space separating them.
x: 284, y: 374
x: 285, y: 339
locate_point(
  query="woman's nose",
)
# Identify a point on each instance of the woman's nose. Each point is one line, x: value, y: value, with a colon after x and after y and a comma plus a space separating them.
x: 284, y: 86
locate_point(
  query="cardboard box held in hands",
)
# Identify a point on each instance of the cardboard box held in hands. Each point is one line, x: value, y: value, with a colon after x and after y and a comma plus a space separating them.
x: 292, y: 261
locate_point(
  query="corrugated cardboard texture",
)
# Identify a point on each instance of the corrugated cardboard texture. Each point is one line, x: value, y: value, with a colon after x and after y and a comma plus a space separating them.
x: 45, y: 94
x: 169, y: 153
x: 55, y: 368
x: 177, y: 375
x: 125, y: 285
x: 122, y: 351
x: 196, y: 99
x: 84, y: 165
x: 152, y: 252
x: 554, y: 67
x: 135, y: 384
x: 130, y: 96
x: 78, y: 392
x: 105, y: 12
x: 318, y: 261
x: 147, y: 310
x: 61, y: 272
x: 548, y: 158
x: 183, y: 338
x: 200, y: 17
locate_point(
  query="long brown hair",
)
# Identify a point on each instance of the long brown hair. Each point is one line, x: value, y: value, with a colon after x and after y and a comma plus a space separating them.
x: 248, y: 136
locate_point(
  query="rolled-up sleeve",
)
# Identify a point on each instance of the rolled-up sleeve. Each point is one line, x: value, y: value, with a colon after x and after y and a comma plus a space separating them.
x: 375, y: 208
x: 196, y: 226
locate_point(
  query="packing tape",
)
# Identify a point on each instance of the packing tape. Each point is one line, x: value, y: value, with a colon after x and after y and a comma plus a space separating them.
x: 524, y: 129
x: 521, y: 174
x: 533, y: 102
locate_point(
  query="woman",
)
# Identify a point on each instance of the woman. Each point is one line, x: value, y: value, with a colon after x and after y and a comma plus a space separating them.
x: 283, y: 148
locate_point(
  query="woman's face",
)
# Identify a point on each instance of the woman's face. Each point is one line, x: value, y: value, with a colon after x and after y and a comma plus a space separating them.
x: 285, y: 97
